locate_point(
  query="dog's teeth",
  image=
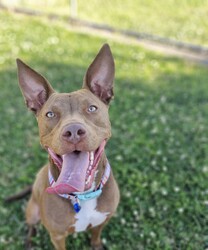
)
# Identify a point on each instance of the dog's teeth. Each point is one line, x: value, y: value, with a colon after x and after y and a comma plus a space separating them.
x: 91, y: 159
x: 91, y: 156
x: 88, y: 180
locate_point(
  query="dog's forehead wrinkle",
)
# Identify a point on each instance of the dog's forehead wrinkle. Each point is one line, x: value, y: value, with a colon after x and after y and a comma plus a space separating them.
x: 59, y: 102
x: 74, y: 100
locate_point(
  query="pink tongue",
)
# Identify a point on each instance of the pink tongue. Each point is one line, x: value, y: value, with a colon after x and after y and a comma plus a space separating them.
x: 73, y: 173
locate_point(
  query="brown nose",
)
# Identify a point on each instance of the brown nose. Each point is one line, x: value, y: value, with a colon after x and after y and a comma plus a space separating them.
x: 74, y: 133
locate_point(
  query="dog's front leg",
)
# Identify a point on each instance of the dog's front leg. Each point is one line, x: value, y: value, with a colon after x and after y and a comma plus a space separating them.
x: 32, y: 218
x: 96, y: 242
x: 58, y: 241
x: 31, y: 233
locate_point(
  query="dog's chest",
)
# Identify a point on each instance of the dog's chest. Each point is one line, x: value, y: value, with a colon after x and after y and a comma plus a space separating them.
x: 88, y: 215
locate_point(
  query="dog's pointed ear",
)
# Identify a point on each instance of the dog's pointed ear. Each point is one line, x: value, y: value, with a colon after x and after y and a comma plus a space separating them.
x: 35, y: 88
x: 100, y: 75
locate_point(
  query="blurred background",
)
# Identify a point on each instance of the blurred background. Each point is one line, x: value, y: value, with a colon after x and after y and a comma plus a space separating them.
x: 159, y: 144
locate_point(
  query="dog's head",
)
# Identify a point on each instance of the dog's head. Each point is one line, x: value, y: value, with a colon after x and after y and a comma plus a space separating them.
x: 73, y: 127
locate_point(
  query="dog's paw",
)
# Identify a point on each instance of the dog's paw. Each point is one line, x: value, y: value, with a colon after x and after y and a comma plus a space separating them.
x: 28, y: 241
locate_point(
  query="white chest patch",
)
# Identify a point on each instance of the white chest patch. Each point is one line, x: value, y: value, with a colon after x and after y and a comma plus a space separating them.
x: 88, y: 215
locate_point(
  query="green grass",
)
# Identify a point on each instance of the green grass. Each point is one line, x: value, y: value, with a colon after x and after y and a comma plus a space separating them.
x: 158, y: 149
x: 184, y: 20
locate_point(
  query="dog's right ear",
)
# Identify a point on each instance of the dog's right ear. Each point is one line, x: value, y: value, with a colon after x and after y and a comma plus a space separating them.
x: 35, y: 88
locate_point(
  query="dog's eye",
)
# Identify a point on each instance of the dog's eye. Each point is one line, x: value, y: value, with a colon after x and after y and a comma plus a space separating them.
x: 50, y: 114
x: 92, y: 108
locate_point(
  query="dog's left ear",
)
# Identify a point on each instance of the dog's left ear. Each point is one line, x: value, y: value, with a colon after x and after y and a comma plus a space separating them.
x: 100, y: 75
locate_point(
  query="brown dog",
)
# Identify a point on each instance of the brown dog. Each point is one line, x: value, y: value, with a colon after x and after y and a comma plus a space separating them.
x: 76, y: 191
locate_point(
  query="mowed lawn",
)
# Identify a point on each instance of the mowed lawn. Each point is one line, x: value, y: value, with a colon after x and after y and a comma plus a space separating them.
x: 158, y: 149
x: 183, y: 20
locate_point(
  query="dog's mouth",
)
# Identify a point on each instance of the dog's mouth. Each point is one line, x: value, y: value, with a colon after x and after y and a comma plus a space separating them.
x: 77, y: 170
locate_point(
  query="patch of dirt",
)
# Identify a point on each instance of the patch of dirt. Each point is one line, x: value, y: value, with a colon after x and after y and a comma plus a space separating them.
x: 166, y: 49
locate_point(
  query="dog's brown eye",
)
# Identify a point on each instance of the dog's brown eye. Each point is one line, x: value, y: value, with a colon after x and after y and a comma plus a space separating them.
x: 50, y: 114
x: 92, y: 108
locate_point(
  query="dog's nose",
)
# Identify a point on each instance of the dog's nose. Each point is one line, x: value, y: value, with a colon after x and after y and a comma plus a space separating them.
x: 74, y: 133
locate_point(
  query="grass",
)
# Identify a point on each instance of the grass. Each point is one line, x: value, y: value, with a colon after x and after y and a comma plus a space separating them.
x: 183, y: 20
x: 158, y: 150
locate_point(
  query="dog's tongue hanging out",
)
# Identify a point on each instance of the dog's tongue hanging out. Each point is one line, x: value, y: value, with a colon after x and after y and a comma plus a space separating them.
x: 77, y: 170
x: 73, y: 174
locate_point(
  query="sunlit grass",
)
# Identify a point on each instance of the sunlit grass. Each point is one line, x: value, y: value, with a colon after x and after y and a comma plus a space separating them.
x: 184, y: 20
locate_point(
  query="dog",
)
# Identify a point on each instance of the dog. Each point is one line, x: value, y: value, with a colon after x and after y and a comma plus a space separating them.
x: 76, y: 190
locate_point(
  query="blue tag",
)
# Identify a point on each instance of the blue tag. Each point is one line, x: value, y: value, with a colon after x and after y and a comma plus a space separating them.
x: 90, y: 195
x: 77, y: 207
